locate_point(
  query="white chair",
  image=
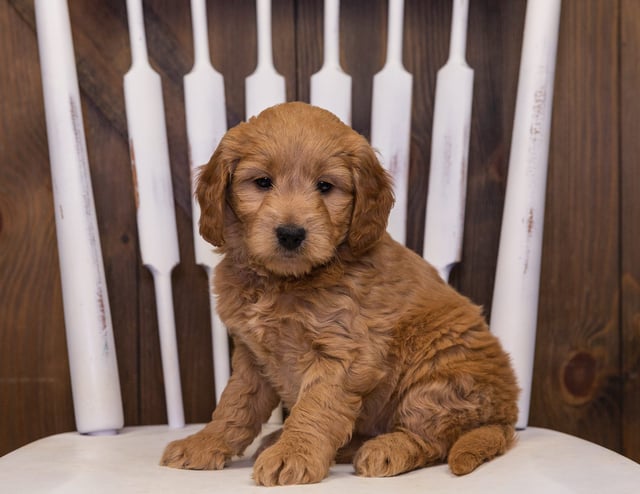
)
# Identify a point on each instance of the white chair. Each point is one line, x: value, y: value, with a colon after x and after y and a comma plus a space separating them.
x: 100, y: 460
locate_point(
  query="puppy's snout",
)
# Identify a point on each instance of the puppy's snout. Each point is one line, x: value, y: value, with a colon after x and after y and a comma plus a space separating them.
x: 290, y: 236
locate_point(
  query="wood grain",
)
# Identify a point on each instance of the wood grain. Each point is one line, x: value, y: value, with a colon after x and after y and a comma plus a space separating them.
x: 577, y: 386
x: 493, y: 52
x: 630, y: 225
x: 363, y: 26
x: 588, y: 351
x: 35, y: 391
x: 309, y: 44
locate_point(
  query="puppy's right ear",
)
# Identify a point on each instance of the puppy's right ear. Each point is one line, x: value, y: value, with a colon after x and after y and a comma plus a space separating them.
x: 211, y: 191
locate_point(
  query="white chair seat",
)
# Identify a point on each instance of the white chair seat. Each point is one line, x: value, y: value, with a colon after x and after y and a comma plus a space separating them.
x: 542, y: 461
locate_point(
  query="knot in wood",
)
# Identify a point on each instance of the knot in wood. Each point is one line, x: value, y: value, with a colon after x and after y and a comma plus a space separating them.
x: 578, y: 377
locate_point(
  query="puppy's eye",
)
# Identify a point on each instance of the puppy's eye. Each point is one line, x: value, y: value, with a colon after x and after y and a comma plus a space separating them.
x: 324, y: 187
x: 264, y: 182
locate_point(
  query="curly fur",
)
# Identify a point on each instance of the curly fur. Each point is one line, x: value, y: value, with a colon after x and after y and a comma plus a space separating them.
x: 378, y: 360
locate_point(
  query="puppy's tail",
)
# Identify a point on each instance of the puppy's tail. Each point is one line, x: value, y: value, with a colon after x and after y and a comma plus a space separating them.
x: 479, y: 445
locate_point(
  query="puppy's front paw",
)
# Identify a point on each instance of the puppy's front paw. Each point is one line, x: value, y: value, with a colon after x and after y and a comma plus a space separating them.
x: 197, y: 452
x: 286, y: 464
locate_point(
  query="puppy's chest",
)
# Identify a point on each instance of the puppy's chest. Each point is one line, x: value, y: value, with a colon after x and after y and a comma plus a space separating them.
x: 287, y: 329
x: 279, y: 328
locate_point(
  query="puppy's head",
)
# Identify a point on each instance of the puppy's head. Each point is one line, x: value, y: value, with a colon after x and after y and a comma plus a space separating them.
x: 288, y: 187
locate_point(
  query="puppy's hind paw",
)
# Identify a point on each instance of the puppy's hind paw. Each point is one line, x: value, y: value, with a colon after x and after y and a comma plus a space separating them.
x: 197, y: 452
x: 374, y: 461
x: 388, y: 455
x: 464, y: 463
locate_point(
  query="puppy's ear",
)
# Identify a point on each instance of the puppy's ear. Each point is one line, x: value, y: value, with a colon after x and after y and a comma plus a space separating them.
x: 211, y: 192
x: 373, y: 200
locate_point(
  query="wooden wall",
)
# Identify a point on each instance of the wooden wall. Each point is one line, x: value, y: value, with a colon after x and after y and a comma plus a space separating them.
x: 588, y: 352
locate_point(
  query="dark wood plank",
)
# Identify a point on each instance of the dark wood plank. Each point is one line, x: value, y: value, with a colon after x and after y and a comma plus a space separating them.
x: 577, y: 375
x: 362, y: 47
x: 309, y: 45
x: 630, y: 225
x: 284, y: 44
x: 233, y: 38
x: 493, y: 47
x: 425, y: 49
x: 35, y: 392
x: 100, y: 44
x: 168, y: 30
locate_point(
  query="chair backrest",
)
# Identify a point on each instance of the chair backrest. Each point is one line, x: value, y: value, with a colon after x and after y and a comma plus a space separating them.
x: 514, y: 311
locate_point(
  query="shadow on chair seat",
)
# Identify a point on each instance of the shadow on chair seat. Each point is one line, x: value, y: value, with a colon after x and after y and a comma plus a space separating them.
x: 541, y: 461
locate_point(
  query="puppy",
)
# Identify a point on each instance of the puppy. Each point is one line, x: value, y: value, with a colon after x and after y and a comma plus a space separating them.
x: 368, y: 349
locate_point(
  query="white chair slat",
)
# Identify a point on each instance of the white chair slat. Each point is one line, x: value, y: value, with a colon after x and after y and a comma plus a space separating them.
x: 331, y: 86
x: 447, y: 194
x: 391, y: 119
x: 514, y: 311
x: 206, y: 121
x: 265, y: 87
x: 90, y: 342
x: 155, y: 211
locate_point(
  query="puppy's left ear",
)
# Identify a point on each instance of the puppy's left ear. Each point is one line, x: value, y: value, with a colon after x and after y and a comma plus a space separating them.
x: 373, y: 199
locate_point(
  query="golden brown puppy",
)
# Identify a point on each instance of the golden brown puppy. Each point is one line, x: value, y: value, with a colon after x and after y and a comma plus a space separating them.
x: 366, y: 346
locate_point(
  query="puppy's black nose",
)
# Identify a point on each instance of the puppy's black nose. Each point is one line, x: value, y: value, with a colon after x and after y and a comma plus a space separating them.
x: 290, y: 236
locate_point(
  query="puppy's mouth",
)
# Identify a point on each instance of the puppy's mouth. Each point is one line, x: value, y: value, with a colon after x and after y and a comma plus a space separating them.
x: 290, y: 253
x: 290, y: 248
x: 293, y: 252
